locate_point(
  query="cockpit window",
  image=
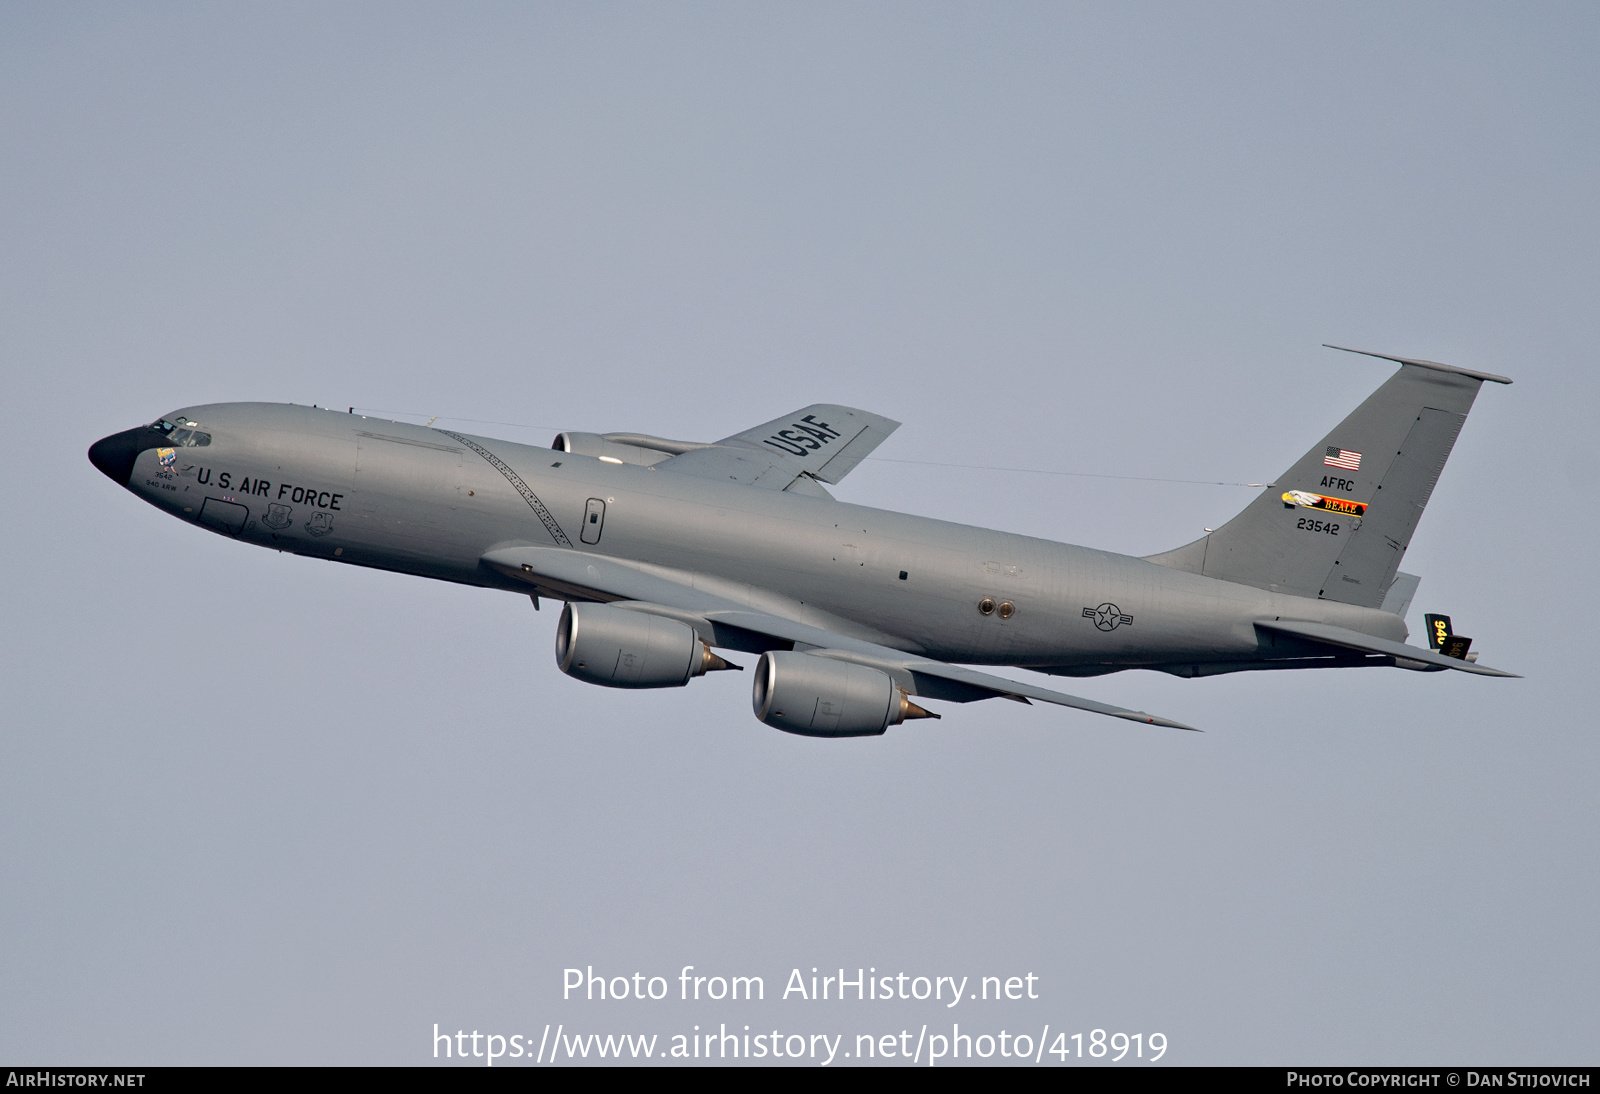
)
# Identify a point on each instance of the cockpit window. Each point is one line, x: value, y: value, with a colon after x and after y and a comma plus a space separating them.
x: 180, y: 433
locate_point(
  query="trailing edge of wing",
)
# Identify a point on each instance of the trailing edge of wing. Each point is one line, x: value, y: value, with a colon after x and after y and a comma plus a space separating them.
x: 655, y: 590
x: 1355, y: 640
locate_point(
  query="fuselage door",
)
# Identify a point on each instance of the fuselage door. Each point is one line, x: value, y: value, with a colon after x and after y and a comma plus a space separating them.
x: 227, y: 517
x: 594, y: 519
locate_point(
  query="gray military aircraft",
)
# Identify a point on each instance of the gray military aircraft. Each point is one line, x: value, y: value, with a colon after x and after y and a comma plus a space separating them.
x: 665, y: 550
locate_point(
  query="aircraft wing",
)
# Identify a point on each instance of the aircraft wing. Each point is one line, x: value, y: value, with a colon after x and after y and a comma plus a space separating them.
x: 1355, y: 640
x: 822, y: 442
x: 737, y: 617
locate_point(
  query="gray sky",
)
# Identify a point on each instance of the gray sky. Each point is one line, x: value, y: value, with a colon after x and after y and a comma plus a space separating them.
x: 256, y: 808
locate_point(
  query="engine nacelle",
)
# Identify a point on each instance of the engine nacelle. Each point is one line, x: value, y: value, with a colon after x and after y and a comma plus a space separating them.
x: 617, y: 648
x: 594, y: 444
x: 821, y: 697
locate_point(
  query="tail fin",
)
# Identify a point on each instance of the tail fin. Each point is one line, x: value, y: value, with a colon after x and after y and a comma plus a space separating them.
x: 1337, y: 523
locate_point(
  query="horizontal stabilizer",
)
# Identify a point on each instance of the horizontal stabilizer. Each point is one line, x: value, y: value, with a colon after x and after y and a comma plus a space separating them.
x: 1344, y: 638
x: 1435, y: 365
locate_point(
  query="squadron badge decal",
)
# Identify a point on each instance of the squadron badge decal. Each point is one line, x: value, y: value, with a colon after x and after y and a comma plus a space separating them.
x: 320, y: 524
x: 1318, y: 501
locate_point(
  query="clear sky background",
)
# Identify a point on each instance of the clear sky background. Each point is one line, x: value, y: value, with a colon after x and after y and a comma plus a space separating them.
x: 257, y: 808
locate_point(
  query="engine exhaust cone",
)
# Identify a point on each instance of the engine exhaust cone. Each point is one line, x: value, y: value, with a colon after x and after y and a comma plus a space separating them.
x: 710, y: 662
x: 910, y: 710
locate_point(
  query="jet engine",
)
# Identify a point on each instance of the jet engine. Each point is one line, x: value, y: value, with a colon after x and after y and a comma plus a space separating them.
x: 635, y: 448
x: 821, y: 697
x: 617, y: 648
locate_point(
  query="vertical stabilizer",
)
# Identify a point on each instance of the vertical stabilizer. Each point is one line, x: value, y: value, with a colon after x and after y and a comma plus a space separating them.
x: 1337, y: 523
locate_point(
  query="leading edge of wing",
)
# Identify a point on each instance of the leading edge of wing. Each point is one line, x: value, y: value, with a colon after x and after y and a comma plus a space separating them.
x: 631, y: 586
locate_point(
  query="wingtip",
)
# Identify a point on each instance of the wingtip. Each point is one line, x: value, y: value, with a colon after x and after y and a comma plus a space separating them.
x: 1153, y: 720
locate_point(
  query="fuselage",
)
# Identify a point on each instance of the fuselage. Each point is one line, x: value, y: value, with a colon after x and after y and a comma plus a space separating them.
x: 415, y: 500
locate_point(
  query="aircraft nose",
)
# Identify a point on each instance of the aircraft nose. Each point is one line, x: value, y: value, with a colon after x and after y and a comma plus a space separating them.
x: 115, y: 455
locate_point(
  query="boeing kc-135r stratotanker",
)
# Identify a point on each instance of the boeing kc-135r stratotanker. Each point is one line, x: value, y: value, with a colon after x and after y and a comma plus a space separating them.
x: 667, y: 550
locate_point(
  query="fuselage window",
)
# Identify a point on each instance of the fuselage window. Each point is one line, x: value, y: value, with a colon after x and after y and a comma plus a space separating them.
x: 186, y: 437
x: 190, y: 438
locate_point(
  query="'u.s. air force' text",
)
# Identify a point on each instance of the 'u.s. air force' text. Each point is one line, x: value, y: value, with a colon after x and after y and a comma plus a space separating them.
x: 261, y: 488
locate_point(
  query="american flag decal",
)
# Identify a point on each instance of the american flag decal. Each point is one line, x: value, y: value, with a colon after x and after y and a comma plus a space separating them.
x: 1343, y: 457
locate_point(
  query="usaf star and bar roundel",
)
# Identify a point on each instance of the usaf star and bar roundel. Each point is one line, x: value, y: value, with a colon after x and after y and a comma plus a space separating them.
x: 1108, y: 617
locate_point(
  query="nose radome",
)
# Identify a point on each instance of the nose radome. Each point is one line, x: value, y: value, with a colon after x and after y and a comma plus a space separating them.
x: 115, y: 455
